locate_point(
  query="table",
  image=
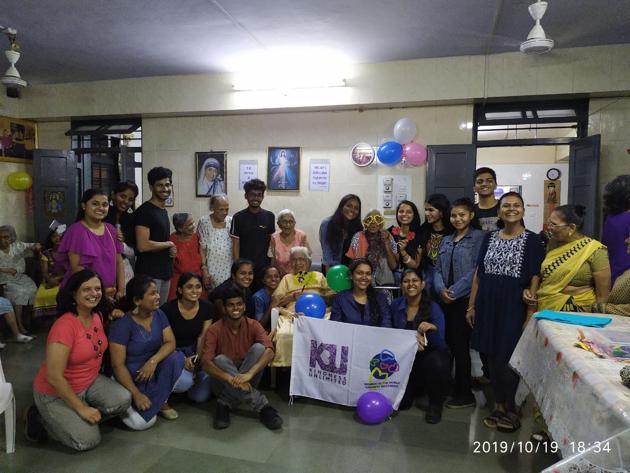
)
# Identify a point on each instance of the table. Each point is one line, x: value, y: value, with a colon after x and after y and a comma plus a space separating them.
x: 580, y: 396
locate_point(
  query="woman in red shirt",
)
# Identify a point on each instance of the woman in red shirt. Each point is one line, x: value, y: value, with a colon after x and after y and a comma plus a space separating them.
x: 188, y: 259
x: 71, y: 397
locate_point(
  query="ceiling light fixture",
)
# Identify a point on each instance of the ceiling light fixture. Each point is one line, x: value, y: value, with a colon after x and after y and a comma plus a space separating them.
x: 11, y: 78
x: 537, y: 42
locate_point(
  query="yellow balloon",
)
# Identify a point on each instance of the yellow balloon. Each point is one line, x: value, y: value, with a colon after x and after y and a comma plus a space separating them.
x: 19, y: 181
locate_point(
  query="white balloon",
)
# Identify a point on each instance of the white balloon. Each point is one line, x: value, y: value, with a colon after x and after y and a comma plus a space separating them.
x: 405, y: 130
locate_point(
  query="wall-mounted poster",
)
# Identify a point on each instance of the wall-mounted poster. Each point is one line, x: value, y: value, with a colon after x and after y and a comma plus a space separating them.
x: 247, y: 170
x: 319, y: 176
x: 211, y: 176
x: 55, y: 202
x: 552, y: 199
x: 283, y: 169
x: 18, y: 138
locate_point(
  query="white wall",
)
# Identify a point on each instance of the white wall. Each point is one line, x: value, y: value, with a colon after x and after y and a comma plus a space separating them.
x: 532, y: 179
x: 172, y: 142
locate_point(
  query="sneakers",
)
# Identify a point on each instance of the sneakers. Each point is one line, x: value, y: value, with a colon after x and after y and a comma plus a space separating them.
x: 434, y: 414
x: 221, y: 417
x: 34, y: 429
x: 461, y: 402
x: 270, y: 418
x: 21, y: 338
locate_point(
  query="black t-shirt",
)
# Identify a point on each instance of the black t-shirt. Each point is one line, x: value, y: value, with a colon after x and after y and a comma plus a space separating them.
x: 488, y: 218
x: 187, y: 331
x: 254, y: 232
x: 430, y: 241
x: 157, y: 264
x: 217, y: 294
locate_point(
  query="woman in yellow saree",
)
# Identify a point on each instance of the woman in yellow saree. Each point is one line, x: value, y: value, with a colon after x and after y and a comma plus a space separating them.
x: 575, y: 273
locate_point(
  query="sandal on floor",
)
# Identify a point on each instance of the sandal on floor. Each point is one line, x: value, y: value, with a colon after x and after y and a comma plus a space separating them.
x: 541, y: 437
x: 508, y: 423
x: 492, y: 420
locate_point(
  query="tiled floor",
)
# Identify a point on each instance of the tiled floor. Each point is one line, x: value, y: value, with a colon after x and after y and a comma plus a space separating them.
x: 316, y: 438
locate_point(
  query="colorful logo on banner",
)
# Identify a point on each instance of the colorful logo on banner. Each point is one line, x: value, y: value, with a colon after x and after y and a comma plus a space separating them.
x: 323, y: 363
x: 382, y: 366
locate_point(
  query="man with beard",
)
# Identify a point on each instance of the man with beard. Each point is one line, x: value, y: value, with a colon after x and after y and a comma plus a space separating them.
x: 155, y: 251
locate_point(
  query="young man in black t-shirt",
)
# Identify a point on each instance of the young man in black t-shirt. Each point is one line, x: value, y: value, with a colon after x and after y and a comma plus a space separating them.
x: 251, y: 230
x: 487, y: 210
x: 153, y: 228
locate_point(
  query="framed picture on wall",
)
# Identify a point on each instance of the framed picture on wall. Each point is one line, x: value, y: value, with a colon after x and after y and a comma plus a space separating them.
x: 18, y: 139
x: 211, y: 173
x: 283, y: 168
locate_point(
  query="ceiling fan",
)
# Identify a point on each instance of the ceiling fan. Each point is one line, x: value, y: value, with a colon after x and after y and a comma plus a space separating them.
x: 537, y: 41
x: 11, y: 78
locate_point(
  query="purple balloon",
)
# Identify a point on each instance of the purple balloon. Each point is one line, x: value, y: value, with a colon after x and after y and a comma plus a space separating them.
x: 373, y: 407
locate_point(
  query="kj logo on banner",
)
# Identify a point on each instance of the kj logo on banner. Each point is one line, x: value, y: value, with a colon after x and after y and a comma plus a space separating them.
x: 336, y: 362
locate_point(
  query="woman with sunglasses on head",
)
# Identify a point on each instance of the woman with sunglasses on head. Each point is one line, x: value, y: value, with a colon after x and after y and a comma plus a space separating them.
x: 378, y: 246
x: 576, y: 272
x: 407, y: 236
x: 431, y: 367
x: 454, y: 271
x: 71, y: 397
x: 336, y: 231
x: 508, y: 264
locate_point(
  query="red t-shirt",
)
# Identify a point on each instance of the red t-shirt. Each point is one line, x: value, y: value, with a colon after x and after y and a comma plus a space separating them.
x: 221, y: 341
x: 84, y: 361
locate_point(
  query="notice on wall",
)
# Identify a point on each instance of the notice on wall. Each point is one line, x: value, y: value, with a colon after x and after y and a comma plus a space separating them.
x: 319, y: 175
x: 391, y: 191
x: 247, y: 170
x: 551, y: 199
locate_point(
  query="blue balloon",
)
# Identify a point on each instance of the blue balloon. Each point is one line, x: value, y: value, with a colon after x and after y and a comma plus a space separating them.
x: 390, y: 153
x: 311, y: 305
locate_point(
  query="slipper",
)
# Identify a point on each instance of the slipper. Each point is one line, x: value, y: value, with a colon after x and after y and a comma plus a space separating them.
x: 540, y: 437
x: 168, y: 414
x: 508, y: 423
x: 492, y: 420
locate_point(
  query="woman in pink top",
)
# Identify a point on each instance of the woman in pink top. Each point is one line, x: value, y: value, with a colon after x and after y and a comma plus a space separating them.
x: 71, y: 397
x: 90, y: 243
x: 283, y: 240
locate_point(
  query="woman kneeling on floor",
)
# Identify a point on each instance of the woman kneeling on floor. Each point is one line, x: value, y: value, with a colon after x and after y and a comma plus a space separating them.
x: 144, y: 357
x: 71, y: 397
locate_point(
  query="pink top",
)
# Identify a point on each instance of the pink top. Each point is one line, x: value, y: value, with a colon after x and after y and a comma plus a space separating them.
x: 281, y: 251
x: 87, y: 345
x: 97, y: 252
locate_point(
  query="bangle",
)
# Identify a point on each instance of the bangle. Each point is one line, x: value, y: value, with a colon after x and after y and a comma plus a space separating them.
x: 472, y: 307
x: 151, y: 360
x: 407, y: 259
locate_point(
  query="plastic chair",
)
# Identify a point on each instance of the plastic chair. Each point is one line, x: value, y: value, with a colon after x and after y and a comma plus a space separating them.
x: 7, y: 405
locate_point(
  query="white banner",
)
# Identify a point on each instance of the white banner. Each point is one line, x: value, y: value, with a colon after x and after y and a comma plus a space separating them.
x: 338, y: 362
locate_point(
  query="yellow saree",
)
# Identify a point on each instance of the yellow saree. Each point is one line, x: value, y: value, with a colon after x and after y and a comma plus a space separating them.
x: 558, y: 270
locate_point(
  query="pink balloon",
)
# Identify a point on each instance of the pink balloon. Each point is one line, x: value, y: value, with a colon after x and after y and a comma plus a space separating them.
x: 415, y: 154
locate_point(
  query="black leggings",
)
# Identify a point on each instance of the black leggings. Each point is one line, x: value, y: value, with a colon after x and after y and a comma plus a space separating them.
x: 430, y: 373
x: 458, y: 339
x: 504, y: 382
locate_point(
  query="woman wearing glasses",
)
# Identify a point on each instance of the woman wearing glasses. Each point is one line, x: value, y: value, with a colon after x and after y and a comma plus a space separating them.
x: 377, y: 246
x: 575, y: 273
x: 71, y: 397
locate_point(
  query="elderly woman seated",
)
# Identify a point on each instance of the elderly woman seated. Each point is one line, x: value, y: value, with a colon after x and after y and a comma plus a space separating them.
x: 18, y: 287
x: 299, y: 281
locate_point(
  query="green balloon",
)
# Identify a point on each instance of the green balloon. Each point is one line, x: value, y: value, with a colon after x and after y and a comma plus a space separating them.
x: 338, y: 278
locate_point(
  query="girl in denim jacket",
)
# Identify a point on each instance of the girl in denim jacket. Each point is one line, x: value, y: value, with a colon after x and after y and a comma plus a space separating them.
x: 454, y: 272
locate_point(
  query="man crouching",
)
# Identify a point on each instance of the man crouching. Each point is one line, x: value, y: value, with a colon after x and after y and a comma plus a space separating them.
x: 236, y: 350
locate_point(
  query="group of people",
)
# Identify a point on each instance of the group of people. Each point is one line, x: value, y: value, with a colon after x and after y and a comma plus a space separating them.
x: 144, y: 313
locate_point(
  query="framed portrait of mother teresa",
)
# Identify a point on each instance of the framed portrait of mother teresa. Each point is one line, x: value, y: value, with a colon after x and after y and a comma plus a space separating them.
x: 211, y: 173
x: 283, y: 169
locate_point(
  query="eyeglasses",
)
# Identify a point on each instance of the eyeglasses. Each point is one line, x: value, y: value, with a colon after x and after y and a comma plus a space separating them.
x: 99, y: 343
x: 370, y: 219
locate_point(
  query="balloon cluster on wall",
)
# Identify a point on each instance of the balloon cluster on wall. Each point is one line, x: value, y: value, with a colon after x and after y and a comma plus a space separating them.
x: 403, y: 149
x: 19, y: 181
